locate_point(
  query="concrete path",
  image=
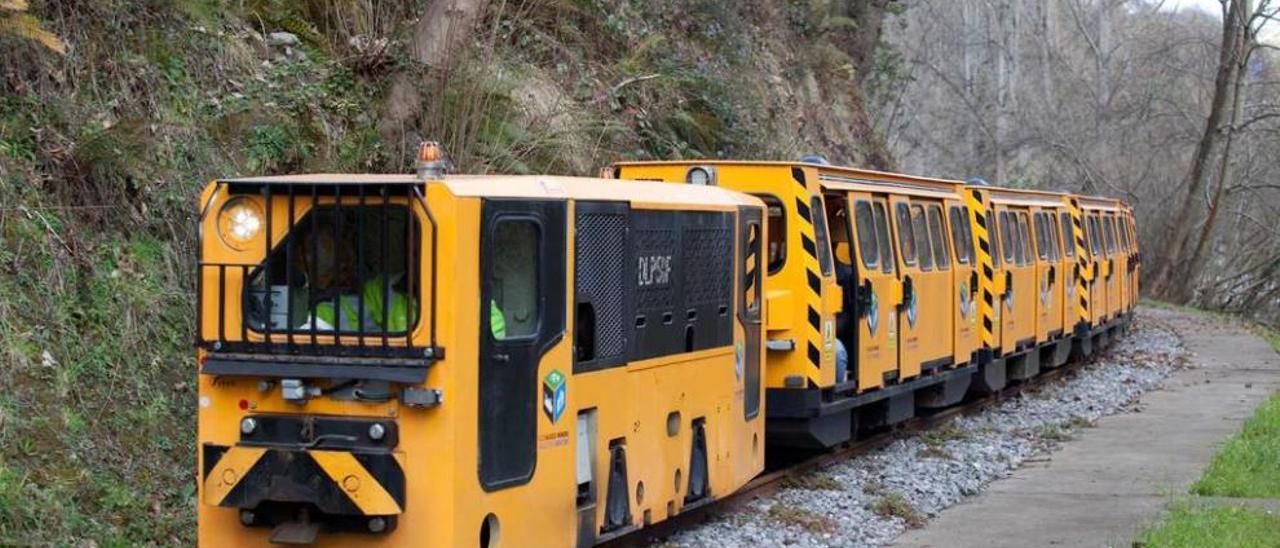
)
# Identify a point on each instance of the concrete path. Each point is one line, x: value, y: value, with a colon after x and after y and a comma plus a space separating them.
x: 1102, y: 488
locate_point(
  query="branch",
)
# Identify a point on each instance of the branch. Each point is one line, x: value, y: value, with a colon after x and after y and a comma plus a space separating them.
x: 618, y: 87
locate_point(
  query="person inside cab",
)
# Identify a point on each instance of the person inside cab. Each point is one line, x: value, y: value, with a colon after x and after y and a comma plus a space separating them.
x: 346, y: 296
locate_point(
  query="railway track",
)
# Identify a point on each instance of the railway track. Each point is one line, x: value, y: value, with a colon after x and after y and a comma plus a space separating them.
x: 774, y: 479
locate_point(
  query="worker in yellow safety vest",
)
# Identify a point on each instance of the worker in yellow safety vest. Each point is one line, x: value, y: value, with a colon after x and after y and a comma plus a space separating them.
x: 381, y: 305
x: 398, y: 318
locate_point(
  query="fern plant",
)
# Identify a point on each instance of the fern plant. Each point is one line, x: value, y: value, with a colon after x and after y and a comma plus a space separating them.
x: 16, y: 21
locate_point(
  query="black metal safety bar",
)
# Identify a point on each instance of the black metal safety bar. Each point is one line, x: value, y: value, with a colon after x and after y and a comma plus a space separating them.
x: 363, y: 282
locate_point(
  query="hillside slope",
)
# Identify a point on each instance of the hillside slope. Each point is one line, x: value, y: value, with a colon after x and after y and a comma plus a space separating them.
x: 104, y: 147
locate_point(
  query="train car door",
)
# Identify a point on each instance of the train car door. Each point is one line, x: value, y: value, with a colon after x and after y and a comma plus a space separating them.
x: 1049, y: 298
x: 522, y: 316
x: 1135, y: 258
x: 1126, y: 235
x: 751, y: 304
x: 1122, y: 263
x: 936, y: 312
x: 876, y: 355
x: 1068, y: 271
x: 965, y: 281
x: 910, y: 355
x: 1020, y: 297
x: 1098, y: 284
x: 1114, y: 268
x: 1029, y: 290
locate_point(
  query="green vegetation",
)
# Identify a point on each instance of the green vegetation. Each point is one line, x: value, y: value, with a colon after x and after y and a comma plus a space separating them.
x: 1220, y: 525
x: 894, y: 505
x: 104, y: 146
x: 1248, y: 466
x: 802, y: 518
x: 815, y: 481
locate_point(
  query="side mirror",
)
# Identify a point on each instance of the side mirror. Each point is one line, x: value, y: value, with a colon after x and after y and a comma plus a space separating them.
x: 973, y: 283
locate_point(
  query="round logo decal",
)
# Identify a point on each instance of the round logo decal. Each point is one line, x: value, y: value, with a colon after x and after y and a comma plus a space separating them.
x: 965, y: 302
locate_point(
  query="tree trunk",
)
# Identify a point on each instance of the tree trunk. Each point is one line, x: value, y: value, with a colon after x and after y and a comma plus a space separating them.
x: 1195, y: 265
x: 1234, y: 27
x: 438, y: 37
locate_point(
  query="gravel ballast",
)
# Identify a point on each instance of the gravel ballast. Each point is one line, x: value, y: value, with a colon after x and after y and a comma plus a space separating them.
x: 872, y: 498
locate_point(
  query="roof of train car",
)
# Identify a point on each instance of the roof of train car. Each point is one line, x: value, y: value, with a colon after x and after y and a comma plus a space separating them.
x: 1102, y: 203
x: 530, y: 186
x: 1026, y: 197
x: 835, y: 177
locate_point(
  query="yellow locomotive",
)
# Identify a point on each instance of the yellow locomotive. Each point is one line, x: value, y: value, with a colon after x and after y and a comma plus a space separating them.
x: 448, y: 360
x: 889, y: 292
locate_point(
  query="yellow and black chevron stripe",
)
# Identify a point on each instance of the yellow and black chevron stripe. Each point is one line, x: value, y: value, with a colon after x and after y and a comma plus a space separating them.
x: 1083, y: 265
x: 813, y: 297
x: 976, y: 200
x: 353, y: 484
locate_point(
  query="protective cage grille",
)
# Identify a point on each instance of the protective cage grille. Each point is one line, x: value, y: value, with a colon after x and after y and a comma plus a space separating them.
x: 366, y: 238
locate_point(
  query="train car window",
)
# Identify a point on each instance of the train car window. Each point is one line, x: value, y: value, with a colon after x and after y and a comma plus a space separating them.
x: 941, y: 255
x: 841, y: 231
x: 1095, y: 246
x: 1133, y: 234
x: 1007, y: 237
x: 1109, y: 235
x: 868, y: 246
x: 1015, y: 241
x: 921, y: 230
x: 1055, y: 238
x: 1042, y: 237
x: 961, y: 238
x: 820, y: 232
x: 752, y: 288
x: 906, y: 239
x: 993, y: 233
x: 1069, y: 244
x: 1124, y: 233
x: 1019, y: 258
x: 777, y: 218
x: 882, y: 239
x: 1025, y: 234
x: 514, y: 280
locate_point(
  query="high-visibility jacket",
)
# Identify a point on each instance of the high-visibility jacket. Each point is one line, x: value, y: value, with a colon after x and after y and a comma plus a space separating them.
x: 401, y: 314
x: 497, y: 322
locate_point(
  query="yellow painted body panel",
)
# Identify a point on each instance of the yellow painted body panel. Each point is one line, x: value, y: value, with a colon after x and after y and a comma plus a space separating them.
x: 790, y: 291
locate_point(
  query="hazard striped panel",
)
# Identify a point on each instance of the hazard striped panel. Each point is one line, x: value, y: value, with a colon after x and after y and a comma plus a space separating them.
x: 1084, y: 266
x: 977, y: 202
x: 813, y: 293
x: 335, y: 482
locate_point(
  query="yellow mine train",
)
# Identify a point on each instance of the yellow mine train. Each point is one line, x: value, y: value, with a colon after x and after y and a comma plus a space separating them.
x: 454, y: 360
x: 934, y: 289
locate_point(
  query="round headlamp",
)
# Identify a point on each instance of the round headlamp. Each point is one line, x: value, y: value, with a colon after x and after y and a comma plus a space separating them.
x: 701, y: 175
x: 239, y: 222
